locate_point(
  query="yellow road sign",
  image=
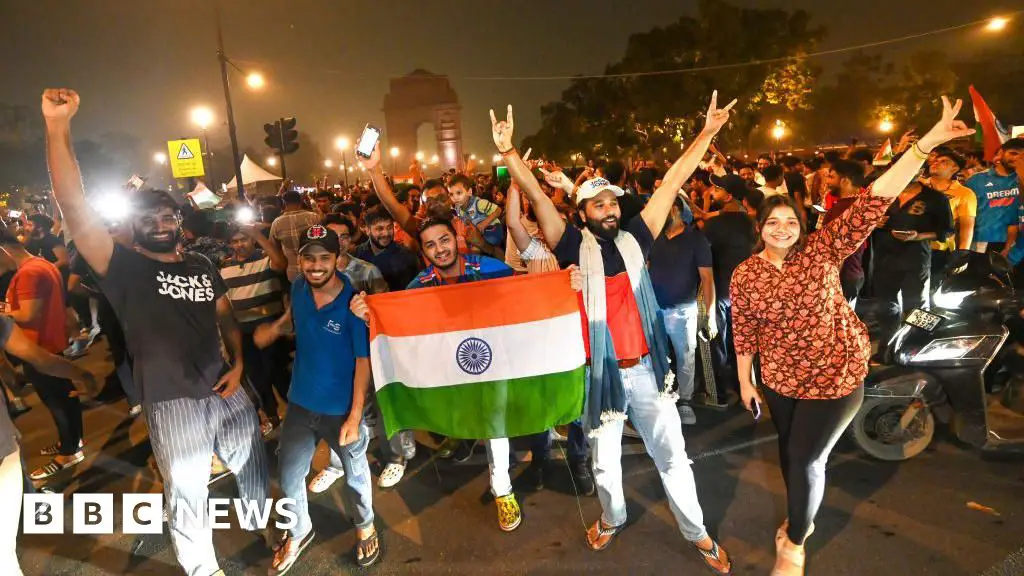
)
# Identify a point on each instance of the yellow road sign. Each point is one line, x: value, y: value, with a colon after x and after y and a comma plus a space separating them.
x: 186, y: 158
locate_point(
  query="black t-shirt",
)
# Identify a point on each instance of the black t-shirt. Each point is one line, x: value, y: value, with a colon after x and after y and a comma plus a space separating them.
x: 732, y: 237
x: 568, y: 249
x: 674, y: 267
x: 929, y: 211
x: 43, y: 247
x: 169, y: 314
x: 397, y: 264
x: 630, y: 206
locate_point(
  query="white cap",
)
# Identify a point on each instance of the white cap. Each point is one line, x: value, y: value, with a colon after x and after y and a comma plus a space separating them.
x: 595, y: 186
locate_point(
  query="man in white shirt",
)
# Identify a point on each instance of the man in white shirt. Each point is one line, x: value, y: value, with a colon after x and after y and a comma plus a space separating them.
x: 774, y: 181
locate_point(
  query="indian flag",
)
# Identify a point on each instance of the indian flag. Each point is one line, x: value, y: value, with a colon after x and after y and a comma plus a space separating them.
x: 490, y: 359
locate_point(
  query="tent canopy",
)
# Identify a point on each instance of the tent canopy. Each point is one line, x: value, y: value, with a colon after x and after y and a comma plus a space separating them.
x: 251, y: 172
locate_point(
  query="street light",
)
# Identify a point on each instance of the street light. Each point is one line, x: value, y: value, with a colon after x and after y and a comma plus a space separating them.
x: 779, y: 130
x: 419, y: 156
x: 160, y: 158
x: 434, y: 159
x: 328, y: 164
x: 202, y: 116
x: 885, y: 126
x: 341, y: 143
x: 997, y: 24
x: 272, y: 161
x: 394, y: 159
x: 255, y: 80
x: 496, y: 158
x: 472, y: 156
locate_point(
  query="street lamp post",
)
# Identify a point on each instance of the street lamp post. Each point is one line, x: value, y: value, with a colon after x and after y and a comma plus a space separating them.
x: 342, y: 144
x: 223, y: 59
x: 202, y: 117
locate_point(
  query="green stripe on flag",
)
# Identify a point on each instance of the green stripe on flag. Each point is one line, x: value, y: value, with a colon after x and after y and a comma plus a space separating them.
x: 484, y: 410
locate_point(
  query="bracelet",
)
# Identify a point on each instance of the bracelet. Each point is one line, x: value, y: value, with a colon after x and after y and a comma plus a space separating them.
x: 920, y: 154
x: 508, y: 152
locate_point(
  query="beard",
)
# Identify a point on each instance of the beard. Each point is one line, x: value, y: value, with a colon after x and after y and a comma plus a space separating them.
x: 605, y: 228
x: 1007, y: 166
x: 148, y: 242
x: 384, y: 242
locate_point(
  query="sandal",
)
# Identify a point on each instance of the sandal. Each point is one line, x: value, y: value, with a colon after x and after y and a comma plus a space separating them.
x: 53, y: 467
x: 288, y: 553
x: 600, y: 536
x: 365, y: 558
x: 717, y: 558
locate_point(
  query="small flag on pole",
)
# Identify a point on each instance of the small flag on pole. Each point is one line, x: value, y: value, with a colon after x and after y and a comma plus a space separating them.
x: 490, y: 359
x: 884, y: 155
x: 992, y: 131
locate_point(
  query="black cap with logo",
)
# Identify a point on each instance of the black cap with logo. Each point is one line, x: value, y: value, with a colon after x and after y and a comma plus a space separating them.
x: 321, y: 236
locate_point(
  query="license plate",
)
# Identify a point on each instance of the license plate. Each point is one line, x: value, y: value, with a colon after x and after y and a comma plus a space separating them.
x: 924, y: 320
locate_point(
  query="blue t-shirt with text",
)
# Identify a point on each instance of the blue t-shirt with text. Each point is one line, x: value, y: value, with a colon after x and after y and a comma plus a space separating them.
x: 327, y: 343
x: 477, y: 268
x: 998, y: 204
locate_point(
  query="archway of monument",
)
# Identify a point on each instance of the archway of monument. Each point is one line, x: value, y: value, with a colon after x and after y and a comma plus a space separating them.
x: 418, y: 98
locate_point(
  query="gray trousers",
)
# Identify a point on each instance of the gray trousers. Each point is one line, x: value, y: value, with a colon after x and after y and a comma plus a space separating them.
x: 185, y: 434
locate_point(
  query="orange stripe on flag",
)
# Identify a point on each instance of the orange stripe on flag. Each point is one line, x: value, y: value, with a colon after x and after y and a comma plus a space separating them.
x: 472, y: 305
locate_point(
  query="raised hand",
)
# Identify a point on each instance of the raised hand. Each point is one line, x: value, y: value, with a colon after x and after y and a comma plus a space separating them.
x: 717, y: 117
x: 502, y: 131
x: 558, y: 179
x: 59, y: 104
x: 374, y: 160
x: 948, y: 127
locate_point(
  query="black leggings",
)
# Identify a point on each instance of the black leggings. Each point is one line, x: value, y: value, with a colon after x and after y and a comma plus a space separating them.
x: 808, y: 430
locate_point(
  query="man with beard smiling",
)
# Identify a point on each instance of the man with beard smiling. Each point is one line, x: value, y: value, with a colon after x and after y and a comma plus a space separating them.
x: 396, y: 263
x: 175, y: 313
x: 627, y: 349
x: 330, y: 382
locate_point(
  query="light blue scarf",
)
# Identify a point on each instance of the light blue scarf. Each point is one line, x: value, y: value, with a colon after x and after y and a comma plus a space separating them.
x: 606, y: 397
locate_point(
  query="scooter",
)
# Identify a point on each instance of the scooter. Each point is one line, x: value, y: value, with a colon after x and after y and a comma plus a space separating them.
x: 957, y: 363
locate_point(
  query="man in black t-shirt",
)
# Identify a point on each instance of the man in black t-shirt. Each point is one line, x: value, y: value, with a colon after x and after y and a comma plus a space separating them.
x: 732, y: 236
x: 902, y: 245
x: 175, y: 314
x: 42, y: 242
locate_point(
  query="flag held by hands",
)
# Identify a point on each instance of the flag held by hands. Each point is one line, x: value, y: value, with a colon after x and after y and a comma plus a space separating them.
x: 993, y: 133
x: 491, y: 359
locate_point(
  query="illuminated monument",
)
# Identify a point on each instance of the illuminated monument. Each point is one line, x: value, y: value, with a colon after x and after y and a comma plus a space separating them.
x: 418, y: 98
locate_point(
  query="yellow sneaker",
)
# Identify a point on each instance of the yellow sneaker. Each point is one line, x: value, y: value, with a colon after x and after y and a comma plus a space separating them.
x: 509, y: 514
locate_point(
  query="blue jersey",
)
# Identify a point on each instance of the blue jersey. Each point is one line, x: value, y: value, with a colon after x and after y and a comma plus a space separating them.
x: 327, y: 343
x: 477, y: 268
x: 998, y: 204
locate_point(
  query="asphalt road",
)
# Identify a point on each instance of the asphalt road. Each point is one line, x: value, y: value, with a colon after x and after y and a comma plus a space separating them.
x: 878, y: 518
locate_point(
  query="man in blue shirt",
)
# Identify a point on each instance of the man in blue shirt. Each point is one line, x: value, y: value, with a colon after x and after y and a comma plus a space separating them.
x: 680, y: 265
x: 998, y: 191
x: 330, y: 381
x: 439, y: 243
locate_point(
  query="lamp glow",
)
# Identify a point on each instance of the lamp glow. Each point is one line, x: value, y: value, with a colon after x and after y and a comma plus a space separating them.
x: 997, y: 24
x: 255, y: 80
x: 202, y: 117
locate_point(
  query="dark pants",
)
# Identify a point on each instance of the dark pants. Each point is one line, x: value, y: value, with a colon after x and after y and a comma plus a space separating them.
x: 891, y: 280
x: 808, y: 430
x: 65, y: 410
x: 940, y: 259
x: 267, y: 370
x: 540, y: 444
x: 118, y: 346
x: 723, y: 350
x: 851, y: 287
x: 80, y: 304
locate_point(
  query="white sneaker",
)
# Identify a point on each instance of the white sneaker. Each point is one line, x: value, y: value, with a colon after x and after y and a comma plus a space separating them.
x: 324, y: 480
x: 391, y: 475
x: 135, y: 411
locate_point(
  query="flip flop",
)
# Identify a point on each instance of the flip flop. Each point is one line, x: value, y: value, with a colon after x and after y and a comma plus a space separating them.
x: 603, y: 532
x: 284, y: 559
x: 363, y: 546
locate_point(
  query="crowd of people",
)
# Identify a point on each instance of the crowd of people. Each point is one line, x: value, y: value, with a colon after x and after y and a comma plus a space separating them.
x: 226, y: 331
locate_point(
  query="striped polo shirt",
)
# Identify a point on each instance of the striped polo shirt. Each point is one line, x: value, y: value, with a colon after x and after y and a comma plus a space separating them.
x: 254, y: 290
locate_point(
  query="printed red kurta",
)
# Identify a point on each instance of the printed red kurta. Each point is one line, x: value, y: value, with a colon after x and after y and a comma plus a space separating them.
x: 811, y: 344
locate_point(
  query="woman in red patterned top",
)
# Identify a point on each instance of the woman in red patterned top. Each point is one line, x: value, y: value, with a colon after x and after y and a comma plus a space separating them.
x: 789, y: 309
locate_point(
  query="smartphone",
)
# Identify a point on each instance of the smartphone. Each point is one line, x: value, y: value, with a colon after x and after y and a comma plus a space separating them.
x: 15, y: 214
x: 757, y: 410
x: 368, y: 141
x: 818, y: 209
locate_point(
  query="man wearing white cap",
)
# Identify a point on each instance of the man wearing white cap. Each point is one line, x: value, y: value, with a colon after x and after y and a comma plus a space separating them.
x: 626, y: 344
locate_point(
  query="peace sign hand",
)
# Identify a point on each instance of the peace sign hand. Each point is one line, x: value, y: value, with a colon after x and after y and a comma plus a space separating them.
x: 948, y: 128
x: 502, y: 131
x: 717, y: 117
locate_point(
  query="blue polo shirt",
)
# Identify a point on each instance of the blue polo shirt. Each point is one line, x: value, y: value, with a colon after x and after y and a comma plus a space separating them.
x: 327, y: 343
x: 998, y: 203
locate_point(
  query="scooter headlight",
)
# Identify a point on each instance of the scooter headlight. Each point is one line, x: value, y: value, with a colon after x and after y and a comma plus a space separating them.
x: 967, y: 348
x: 950, y: 300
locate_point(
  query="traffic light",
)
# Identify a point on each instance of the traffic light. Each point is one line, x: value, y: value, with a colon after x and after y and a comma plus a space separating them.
x: 282, y: 136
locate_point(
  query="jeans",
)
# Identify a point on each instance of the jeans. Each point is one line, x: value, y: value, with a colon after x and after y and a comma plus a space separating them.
x: 723, y: 349
x: 808, y: 430
x: 681, y: 326
x: 393, y: 450
x: 66, y: 411
x: 301, y: 431
x: 540, y: 444
x: 185, y: 434
x: 657, y: 422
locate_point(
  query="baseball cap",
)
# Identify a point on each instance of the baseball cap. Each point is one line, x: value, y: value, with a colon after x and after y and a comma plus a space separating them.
x: 322, y: 236
x: 732, y: 184
x: 595, y: 186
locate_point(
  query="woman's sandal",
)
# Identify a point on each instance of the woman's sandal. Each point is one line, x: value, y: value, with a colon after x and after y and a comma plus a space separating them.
x: 287, y: 554
x: 600, y: 536
x: 364, y: 557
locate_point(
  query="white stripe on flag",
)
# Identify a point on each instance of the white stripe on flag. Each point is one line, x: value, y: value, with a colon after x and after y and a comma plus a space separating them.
x: 516, y: 351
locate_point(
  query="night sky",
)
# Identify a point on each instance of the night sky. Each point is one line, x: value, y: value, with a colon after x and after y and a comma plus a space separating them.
x: 141, y: 65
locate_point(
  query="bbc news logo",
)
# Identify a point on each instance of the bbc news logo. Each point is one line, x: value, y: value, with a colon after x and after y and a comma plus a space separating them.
x: 144, y: 513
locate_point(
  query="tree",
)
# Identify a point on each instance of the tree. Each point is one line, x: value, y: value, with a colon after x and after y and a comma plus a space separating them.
x: 652, y: 112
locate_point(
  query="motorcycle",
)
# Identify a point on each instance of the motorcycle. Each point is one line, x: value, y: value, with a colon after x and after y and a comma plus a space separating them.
x: 957, y: 364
